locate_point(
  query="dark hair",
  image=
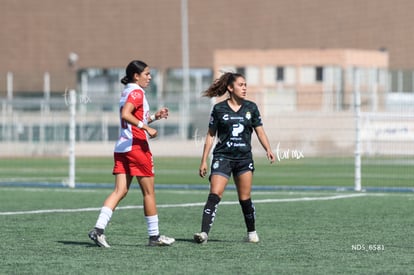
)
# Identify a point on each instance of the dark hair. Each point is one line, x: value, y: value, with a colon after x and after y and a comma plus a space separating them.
x: 134, y: 67
x: 219, y: 86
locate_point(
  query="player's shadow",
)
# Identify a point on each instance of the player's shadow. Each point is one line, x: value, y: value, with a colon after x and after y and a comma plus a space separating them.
x: 76, y: 243
x: 192, y: 241
x: 90, y: 244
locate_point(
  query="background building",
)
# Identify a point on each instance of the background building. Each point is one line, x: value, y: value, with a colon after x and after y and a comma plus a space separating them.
x: 37, y: 37
x: 303, y: 80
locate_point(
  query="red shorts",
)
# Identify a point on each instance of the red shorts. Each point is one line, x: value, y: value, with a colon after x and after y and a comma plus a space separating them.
x: 134, y: 163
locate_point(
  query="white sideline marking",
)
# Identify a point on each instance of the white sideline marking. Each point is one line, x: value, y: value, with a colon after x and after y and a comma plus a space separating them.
x: 180, y: 205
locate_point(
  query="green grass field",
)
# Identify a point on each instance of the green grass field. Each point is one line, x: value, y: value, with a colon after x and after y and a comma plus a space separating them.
x: 44, y: 229
x: 333, y: 172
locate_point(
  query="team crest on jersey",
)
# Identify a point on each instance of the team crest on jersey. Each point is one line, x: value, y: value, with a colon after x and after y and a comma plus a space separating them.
x: 135, y: 95
x: 248, y: 115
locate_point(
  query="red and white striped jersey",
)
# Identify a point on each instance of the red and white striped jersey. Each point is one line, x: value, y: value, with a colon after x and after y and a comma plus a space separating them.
x: 131, y: 137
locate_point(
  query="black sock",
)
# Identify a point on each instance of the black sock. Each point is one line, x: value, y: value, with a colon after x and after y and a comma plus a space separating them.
x: 249, y: 213
x: 209, y: 212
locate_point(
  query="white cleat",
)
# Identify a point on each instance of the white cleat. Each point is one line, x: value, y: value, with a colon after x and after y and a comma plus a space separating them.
x: 201, y: 237
x: 252, y: 237
x: 161, y: 241
x: 99, y: 239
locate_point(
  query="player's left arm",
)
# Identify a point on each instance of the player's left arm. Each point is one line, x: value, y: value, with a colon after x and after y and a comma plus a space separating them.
x: 264, y: 141
x: 127, y: 115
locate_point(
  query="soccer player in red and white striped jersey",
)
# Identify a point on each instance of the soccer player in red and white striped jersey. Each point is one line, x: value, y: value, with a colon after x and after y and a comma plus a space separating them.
x: 132, y: 155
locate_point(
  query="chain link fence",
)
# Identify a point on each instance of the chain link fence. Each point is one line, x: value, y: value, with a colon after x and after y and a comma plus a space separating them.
x: 324, y: 139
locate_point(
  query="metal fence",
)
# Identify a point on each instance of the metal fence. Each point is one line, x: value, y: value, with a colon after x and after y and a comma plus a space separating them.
x: 40, y: 127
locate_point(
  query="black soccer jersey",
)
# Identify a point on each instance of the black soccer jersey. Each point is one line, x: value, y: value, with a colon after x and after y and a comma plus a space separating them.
x: 234, y: 129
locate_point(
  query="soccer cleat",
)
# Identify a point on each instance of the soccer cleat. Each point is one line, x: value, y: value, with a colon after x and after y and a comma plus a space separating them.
x: 161, y: 241
x: 201, y: 237
x: 252, y: 237
x: 98, y: 238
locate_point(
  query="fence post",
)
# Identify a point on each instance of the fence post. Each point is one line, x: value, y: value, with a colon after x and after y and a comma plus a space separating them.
x: 72, y: 137
x: 357, y: 110
x: 10, y: 86
x: 46, y: 91
x: 185, y: 104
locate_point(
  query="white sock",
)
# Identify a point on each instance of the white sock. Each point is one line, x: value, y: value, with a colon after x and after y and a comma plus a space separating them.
x: 104, y: 217
x: 152, y: 225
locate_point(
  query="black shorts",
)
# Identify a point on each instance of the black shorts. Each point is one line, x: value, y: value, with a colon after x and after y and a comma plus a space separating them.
x: 226, y: 167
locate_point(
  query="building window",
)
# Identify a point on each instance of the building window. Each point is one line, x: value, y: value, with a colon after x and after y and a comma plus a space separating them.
x: 280, y: 74
x: 252, y: 75
x: 319, y: 74
x: 241, y: 70
x: 269, y: 75
x: 200, y: 80
x: 307, y: 75
x: 290, y: 75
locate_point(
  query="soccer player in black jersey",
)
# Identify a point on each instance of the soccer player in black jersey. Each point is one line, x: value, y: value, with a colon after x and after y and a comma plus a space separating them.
x: 232, y: 122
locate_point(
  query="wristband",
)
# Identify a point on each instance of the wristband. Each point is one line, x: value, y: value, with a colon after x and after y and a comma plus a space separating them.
x: 140, y: 125
x: 153, y: 118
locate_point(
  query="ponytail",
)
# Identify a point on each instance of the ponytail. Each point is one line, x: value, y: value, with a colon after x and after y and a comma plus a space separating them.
x: 219, y: 86
x: 125, y: 80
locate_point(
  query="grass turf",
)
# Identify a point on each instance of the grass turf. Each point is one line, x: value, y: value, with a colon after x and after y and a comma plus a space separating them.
x: 376, y: 172
x: 301, y: 233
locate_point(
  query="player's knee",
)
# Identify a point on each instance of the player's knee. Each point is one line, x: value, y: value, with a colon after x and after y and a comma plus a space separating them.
x: 122, y: 193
